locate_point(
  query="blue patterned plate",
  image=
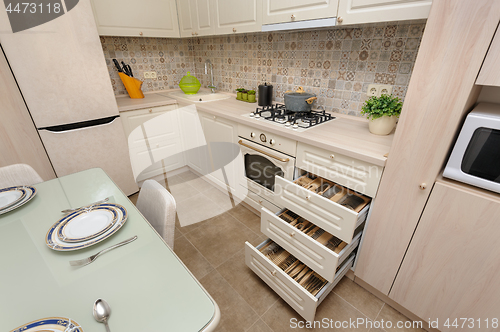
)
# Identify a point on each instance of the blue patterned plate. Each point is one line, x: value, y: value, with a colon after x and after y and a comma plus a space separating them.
x: 13, y: 197
x: 51, y: 324
x: 87, y: 224
x: 55, y: 243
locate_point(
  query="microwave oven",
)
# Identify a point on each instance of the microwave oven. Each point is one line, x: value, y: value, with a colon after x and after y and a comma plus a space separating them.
x: 475, y: 158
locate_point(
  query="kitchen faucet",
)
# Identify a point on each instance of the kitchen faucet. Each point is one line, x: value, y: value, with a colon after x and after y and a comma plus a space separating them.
x: 208, y: 64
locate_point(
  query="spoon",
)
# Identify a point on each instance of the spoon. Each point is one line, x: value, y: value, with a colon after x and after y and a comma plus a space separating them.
x: 102, y: 311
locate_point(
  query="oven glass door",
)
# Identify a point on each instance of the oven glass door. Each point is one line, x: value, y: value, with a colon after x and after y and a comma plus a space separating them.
x: 261, y: 170
x: 482, y: 156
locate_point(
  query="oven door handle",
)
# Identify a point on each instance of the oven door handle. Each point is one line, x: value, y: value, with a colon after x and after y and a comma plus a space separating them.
x: 284, y: 160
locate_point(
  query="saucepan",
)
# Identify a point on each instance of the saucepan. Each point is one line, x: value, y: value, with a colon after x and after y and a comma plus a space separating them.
x: 299, y: 101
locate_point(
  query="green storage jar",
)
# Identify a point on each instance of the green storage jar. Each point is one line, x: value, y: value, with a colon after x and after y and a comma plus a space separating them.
x: 189, y: 84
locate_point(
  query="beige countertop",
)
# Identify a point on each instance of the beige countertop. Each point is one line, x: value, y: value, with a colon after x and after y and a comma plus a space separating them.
x: 348, y: 135
x: 151, y: 99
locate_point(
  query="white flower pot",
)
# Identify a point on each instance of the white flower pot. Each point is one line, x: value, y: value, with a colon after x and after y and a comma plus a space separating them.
x: 383, y: 125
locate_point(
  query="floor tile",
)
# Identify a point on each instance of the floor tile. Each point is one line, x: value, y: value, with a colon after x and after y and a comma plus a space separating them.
x: 364, y: 301
x: 182, y: 191
x: 279, y: 316
x: 220, y: 238
x: 196, y: 181
x: 133, y: 198
x: 192, y: 258
x: 247, y: 284
x: 390, y: 314
x: 220, y: 198
x: 259, y: 326
x: 196, y: 209
x: 246, y: 217
x: 336, y: 309
x: 236, y: 314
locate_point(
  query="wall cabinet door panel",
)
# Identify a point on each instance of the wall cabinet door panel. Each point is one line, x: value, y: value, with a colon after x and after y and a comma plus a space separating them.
x: 369, y: 11
x: 196, y: 17
x: 280, y: 11
x: 237, y: 16
x: 451, y: 267
x: 147, y: 18
x: 491, y: 66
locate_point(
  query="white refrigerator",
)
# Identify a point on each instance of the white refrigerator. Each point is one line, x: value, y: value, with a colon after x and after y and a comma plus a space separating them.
x: 61, y: 72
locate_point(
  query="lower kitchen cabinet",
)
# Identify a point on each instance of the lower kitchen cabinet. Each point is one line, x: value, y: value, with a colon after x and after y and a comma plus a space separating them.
x: 226, y: 164
x: 156, y: 142
x: 451, y: 267
x: 298, y: 285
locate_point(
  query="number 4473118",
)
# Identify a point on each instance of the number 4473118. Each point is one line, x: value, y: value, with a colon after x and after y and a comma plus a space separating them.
x: 33, y: 8
x: 471, y: 323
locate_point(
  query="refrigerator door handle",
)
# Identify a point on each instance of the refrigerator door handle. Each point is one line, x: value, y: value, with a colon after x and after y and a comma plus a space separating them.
x: 80, y: 125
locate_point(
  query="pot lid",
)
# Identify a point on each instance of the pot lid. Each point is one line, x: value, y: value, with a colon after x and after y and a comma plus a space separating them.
x: 189, y: 80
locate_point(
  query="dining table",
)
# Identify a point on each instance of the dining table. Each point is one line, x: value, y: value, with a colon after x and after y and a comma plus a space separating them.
x: 146, y: 285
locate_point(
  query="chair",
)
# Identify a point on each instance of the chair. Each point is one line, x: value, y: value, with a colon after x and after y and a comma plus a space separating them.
x: 157, y: 205
x: 18, y: 175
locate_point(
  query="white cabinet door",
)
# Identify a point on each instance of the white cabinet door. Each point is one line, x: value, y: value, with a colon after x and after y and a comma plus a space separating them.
x: 281, y: 11
x: 147, y: 18
x: 368, y: 11
x: 193, y: 140
x: 196, y: 17
x: 221, y: 136
x: 237, y: 16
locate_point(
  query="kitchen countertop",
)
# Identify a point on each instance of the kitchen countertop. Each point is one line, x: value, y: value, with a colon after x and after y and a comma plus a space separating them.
x: 151, y: 99
x: 348, y: 135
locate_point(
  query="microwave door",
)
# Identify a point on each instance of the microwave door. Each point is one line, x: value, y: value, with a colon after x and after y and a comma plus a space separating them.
x: 482, y: 156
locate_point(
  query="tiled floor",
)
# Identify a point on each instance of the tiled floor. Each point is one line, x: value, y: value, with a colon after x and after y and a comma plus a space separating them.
x: 213, y: 250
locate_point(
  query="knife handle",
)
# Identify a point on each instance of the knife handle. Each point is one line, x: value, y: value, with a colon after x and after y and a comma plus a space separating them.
x: 117, y: 65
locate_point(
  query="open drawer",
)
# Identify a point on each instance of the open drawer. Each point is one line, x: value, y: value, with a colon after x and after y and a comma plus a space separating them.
x: 313, y: 246
x: 324, y: 203
x: 290, y: 290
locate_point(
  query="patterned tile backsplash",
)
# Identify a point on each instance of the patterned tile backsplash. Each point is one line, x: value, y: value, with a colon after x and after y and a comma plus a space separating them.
x: 336, y: 64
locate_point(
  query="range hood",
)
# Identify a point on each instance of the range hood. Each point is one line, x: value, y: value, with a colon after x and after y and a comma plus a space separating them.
x: 307, y: 24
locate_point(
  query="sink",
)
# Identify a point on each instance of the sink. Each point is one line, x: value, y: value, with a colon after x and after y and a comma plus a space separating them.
x: 203, y: 96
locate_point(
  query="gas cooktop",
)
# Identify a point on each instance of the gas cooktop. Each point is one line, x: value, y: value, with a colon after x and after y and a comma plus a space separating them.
x: 295, y: 120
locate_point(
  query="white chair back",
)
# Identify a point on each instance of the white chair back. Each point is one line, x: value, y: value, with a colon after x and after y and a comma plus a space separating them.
x: 18, y: 175
x: 157, y: 205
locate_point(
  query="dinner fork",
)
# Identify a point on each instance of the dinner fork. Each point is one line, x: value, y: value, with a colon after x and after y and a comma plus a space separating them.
x: 88, y: 260
x: 86, y: 206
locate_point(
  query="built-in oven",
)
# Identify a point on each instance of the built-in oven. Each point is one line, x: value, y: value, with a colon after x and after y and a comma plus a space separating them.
x: 265, y: 156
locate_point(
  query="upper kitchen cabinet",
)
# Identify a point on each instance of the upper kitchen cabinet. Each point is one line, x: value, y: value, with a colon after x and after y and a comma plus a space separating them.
x: 147, y: 18
x: 282, y: 11
x: 370, y: 11
x: 491, y: 66
x: 237, y: 16
x: 195, y: 17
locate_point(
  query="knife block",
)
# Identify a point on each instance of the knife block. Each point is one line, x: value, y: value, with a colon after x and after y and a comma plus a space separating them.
x: 133, y: 86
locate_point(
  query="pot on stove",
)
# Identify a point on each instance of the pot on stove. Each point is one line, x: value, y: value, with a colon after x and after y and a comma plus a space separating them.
x: 299, y: 101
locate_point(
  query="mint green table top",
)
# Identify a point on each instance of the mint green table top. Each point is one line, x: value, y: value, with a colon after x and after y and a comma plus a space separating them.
x: 146, y: 285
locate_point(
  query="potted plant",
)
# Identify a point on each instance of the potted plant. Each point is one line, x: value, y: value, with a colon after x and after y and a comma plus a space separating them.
x: 382, y: 113
x: 251, y: 96
x: 244, y: 95
x: 239, y: 93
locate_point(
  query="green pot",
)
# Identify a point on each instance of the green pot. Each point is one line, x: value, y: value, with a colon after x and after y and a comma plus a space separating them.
x: 189, y: 84
x: 238, y: 96
x: 245, y: 96
x: 251, y: 98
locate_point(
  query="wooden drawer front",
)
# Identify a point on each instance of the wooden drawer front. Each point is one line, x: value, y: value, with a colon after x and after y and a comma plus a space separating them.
x: 295, y: 295
x: 258, y: 202
x: 332, y: 217
x: 355, y: 174
x: 309, y: 251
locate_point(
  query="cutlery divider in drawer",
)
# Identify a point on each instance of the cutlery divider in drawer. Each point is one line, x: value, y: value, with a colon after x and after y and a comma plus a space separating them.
x: 322, y: 254
x: 290, y: 290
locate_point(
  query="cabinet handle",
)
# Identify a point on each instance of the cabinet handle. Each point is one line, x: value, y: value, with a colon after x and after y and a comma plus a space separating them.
x: 283, y: 160
x: 234, y: 29
x: 273, y: 273
x: 196, y: 33
x: 332, y: 156
x: 140, y: 33
x: 423, y: 186
x: 260, y: 201
x: 292, y: 234
x: 150, y: 110
x: 293, y: 17
x: 215, y: 117
x: 192, y: 33
x: 158, y: 145
x: 308, y: 197
x: 340, y: 19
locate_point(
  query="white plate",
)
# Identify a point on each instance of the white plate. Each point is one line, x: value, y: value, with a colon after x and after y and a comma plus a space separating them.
x: 51, y: 324
x: 27, y: 193
x: 87, y: 224
x: 53, y: 242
